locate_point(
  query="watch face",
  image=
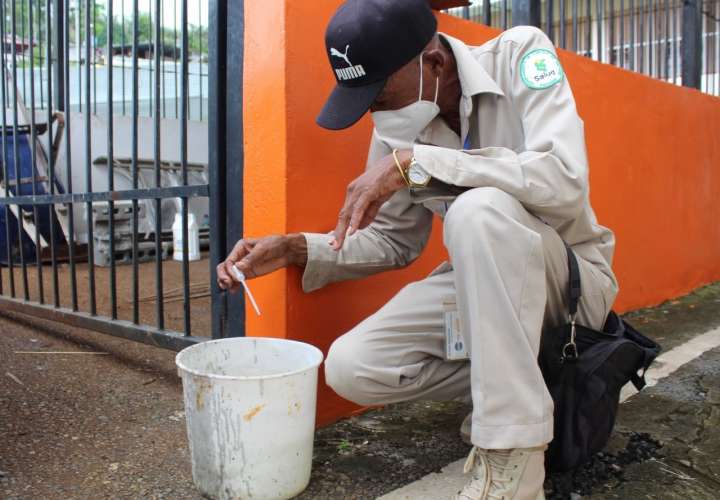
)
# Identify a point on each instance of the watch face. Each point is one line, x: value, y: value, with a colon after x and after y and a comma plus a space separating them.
x: 417, y: 175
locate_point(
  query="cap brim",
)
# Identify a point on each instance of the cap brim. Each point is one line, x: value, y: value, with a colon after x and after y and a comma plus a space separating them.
x: 346, y: 105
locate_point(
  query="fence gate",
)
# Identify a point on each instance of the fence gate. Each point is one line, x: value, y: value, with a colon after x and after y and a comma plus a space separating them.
x: 113, y: 211
x: 677, y: 41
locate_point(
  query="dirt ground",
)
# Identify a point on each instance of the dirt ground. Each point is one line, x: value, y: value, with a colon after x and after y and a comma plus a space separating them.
x: 91, y: 426
x: 172, y: 282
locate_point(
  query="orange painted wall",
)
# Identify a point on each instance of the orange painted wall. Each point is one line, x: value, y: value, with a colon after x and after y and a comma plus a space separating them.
x: 654, y: 154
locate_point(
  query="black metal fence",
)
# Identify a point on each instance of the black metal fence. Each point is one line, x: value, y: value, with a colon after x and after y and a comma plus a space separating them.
x: 674, y: 40
x: 108, y: 180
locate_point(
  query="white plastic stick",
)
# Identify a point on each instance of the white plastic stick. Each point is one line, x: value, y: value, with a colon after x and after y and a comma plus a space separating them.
x: 241, y: 278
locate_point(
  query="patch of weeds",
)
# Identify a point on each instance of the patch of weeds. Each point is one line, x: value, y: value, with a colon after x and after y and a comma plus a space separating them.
x: 344, y: 447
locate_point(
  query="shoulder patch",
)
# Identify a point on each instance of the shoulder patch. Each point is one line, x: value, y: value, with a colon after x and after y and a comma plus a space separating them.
x: 540, y: 69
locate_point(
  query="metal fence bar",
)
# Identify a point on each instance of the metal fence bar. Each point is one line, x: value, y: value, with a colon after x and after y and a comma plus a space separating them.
x: 525, y: 12
x: 151, y: 48
x: 122, y: 50
x: 68, y: 157
x: 692, y: 44
x: 134, y: 154
x: 16, y: 163
x: 641, y: 60
x: 33, y: 154
x: 217, y: 16
x: 588, y: 30
x: 88, y: 163
x: 61, y: 59
x: 235, y: 157
x: 40, y: 51
x: 200, y: 43
x: 195, y: 190
x: 666, y: 41
x: 674, y: 43
x: 161, y: 72
x: 706, y: 48
x: 6, y: 182
x: 622, y: 34
x: 160, y: 312
x: 633, y: 25
x: 78, y: 38
x: 575, y: 25
x: 51, y: 165
x: 183, y: 159
x: 651, y: 38
x: 599, y: 35
x: 549, y: 19
x: 22, y: 43
x: 175, y: 59
x: 93, y: 31
x: 563, y: 17
x: 111, y: 162
x: 613, y: 54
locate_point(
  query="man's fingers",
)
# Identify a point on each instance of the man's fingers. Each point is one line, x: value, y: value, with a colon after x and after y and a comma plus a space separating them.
x: 247, y: 263
x: 224, y: 281
x: 241, y: 249
x: 358, y: 213
x: 231, y: 280
x: 370, y: 214
x: 340, y: 230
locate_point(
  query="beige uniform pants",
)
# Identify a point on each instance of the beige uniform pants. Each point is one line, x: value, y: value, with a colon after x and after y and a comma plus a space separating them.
x: 509, y: 274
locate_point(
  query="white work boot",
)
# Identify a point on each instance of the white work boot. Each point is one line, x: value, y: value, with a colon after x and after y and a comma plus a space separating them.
x: 516, y: 474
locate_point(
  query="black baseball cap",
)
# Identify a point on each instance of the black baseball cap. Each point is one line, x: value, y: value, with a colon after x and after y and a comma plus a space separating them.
x: 367, y: 41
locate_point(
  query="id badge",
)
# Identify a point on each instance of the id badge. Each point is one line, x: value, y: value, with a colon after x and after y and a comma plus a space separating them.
x: 456, y: 348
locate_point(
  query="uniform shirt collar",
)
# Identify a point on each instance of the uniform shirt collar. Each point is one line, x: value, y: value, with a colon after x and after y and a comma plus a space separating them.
x: 473, y: 77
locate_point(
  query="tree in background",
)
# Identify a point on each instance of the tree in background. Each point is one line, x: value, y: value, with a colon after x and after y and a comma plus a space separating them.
x: 197, y: 35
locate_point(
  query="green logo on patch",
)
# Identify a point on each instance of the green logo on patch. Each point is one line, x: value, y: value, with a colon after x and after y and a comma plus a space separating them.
x: 540, y: 69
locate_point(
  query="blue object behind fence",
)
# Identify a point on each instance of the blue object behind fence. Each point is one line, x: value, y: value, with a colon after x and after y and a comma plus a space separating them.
x: 21, y: 141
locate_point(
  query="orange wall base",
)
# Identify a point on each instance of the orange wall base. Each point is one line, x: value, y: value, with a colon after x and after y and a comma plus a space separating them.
x: 654, y: 157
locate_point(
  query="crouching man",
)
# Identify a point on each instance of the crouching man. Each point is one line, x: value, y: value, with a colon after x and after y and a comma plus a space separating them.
x: 489, y: 139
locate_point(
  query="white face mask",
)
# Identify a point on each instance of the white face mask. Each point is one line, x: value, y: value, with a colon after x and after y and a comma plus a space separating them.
x: 400, y: 127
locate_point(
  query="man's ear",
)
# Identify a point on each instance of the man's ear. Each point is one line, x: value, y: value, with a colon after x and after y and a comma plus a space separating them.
x: 436, y: 59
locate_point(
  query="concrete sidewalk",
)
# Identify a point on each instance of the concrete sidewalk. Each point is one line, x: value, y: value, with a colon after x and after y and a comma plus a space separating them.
x: 81, y: 426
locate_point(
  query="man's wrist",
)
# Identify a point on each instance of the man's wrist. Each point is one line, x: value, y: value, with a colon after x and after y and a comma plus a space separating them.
x: 297, y: 249
x: 401, y: 161
x: 405, y: 156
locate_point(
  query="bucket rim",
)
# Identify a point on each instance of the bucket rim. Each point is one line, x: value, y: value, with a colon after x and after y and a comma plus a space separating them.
x: 183, y: 368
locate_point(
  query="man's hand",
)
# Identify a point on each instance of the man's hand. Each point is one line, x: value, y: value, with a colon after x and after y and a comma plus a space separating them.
x: 366, y: 194
x: 258, y: 256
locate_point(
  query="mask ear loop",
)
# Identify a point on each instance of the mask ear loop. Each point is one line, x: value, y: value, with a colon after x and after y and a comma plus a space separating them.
x: 437, y: 82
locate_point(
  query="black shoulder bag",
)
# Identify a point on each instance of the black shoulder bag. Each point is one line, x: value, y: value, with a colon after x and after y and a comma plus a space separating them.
x: 585, y: 370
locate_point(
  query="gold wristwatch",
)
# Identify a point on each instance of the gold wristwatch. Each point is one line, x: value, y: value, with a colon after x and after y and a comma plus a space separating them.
x: 416, y: 175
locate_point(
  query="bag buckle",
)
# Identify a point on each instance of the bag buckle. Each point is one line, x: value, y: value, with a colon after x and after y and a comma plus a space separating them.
x: 569, y: 350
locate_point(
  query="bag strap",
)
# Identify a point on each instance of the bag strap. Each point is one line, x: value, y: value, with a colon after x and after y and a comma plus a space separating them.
x: 574, y: 290
x: 638, y: 380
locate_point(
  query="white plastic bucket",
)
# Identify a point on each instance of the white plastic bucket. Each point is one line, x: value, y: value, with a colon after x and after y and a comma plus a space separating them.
x: 250, y: 411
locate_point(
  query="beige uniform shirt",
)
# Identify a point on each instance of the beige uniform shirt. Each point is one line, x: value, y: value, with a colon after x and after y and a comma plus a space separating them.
x: 524, y: 140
